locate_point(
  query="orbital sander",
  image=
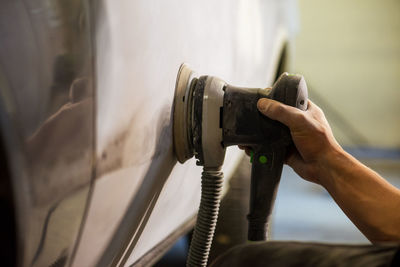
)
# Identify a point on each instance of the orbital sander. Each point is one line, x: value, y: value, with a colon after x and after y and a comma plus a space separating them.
x: 210, y: 115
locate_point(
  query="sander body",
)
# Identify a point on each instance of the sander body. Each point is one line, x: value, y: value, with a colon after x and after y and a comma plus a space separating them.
x: 210, y: 115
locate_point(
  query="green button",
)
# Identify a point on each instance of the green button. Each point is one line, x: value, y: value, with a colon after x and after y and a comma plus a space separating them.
x: 251, y: 156
x: 262, y: 159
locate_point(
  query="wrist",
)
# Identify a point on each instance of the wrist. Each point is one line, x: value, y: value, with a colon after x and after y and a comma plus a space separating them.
x: 331, y: 164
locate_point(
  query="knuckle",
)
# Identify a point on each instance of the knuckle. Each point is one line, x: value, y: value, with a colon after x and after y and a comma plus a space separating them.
x: 320, y: 111
x: 317, y: 111
x: 278, y: 108
x: 301, y: 116
x: 321, y: 131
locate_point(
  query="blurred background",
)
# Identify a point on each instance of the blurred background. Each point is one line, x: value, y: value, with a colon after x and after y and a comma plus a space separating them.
x: 349, y: 52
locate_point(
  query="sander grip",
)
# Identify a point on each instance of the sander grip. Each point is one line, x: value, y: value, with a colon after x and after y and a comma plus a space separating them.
x: 265, y: 176
x: 269, y: 157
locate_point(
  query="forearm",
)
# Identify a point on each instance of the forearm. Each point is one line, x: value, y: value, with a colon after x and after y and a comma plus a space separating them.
x: 367, y: 199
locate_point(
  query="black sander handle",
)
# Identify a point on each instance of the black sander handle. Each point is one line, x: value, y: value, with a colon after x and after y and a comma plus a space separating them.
x: 243, y: 124
x: 268, y: 157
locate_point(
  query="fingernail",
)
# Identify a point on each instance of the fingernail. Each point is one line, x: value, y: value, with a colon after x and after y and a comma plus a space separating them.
x: 263, y: 104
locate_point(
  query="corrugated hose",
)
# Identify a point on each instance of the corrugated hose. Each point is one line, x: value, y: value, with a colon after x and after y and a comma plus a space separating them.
x: 211, y: 189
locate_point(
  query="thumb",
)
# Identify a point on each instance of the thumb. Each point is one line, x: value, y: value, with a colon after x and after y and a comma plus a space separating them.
x: 278, y: 111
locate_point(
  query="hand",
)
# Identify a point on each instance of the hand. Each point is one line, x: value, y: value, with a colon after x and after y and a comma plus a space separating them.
x: 364, y: 196
x: 314, y: 142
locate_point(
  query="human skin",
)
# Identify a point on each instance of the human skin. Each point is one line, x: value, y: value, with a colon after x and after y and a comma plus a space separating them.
x: 371, y: 203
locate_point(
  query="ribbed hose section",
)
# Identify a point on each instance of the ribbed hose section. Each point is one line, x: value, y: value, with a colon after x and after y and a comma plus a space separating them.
x: 211, y: 188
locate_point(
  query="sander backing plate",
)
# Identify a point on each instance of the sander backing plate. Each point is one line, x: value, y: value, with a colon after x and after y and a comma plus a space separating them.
x: 182, y: 108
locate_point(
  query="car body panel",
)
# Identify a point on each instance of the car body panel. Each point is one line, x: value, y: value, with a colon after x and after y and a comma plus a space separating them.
x: 109, y: 151
x: 47, y: 122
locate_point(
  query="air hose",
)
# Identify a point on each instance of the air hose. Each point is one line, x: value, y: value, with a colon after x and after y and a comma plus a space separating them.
x: 211, y: 189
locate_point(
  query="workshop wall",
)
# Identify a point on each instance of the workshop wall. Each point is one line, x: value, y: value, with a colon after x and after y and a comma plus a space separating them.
x: 349, y: 52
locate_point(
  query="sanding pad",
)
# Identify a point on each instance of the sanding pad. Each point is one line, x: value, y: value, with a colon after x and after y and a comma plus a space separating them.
x: 182, y: 109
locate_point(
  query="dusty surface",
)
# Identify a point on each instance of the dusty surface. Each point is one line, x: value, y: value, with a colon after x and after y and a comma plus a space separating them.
x: 140, y: 190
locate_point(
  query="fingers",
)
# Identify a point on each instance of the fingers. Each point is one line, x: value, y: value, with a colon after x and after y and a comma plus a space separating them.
x: 293, y: 159
x: 297, y: 163
x: 277, y: 111
x: 312, y: 107
x: 316, y: 112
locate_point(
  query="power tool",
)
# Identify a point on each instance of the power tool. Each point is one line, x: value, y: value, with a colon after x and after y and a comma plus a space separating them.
x: 210, y: 115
